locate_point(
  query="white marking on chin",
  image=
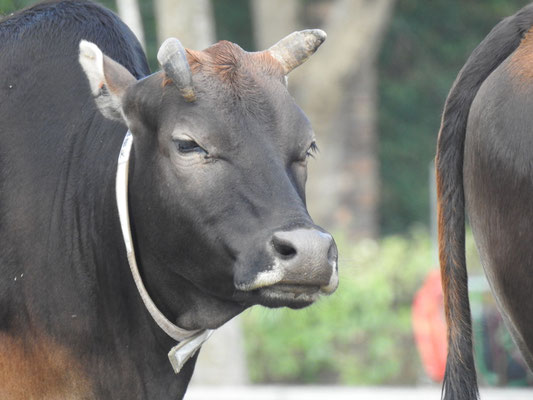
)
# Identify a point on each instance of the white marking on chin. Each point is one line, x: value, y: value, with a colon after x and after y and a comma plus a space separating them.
x: 276, y: 274
x: 265, y: 278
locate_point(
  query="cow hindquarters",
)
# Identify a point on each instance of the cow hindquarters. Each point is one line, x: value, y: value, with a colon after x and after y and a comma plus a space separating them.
x: 498, y: 184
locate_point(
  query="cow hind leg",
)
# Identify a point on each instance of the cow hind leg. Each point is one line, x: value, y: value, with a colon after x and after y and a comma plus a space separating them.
x: 511, y: 281
x: 522, y: 344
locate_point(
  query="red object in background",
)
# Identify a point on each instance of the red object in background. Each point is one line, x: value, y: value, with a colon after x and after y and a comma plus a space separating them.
x: 429, y: 326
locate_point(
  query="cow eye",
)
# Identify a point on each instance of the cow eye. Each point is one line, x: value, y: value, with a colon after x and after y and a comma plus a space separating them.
x: 188, y: 146
x: 312, y: 150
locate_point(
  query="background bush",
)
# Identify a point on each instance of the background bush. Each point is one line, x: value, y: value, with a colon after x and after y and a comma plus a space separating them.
x: 362, y: 334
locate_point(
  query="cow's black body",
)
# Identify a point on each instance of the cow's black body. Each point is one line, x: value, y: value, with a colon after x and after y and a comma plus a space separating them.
x: 484, y: 161
x: 217, y: 227
x: 65, y: 285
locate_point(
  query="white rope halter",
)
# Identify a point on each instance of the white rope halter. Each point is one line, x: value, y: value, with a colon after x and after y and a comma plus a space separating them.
x: 190, y: 341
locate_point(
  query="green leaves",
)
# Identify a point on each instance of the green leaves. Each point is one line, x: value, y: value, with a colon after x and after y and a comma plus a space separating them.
x: 8, y: 6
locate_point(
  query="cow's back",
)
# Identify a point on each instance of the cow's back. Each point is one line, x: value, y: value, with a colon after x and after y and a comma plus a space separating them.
x: 40, y: 73
x: 44, y: 97
x: 51, y: 135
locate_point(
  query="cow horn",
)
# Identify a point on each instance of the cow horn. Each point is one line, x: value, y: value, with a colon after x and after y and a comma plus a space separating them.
x: 173, y: 60
x: 296, y: 48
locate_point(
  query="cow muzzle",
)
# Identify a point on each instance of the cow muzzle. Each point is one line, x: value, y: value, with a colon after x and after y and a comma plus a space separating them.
x: 304, y: 266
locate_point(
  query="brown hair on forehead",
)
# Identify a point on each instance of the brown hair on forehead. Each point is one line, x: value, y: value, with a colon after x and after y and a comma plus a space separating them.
x: 229, y: 62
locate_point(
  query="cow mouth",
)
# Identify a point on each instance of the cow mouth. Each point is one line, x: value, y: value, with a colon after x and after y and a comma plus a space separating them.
x: 272, y: 289
x: 289, y: 295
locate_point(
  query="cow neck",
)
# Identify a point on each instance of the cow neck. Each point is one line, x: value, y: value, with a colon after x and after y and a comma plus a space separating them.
x: 189, y: 340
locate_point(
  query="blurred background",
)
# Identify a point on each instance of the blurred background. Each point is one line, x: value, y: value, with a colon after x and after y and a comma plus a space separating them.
x: 374, y: 93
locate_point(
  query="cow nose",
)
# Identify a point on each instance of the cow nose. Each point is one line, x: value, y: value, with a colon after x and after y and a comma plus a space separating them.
x: 306, y: 257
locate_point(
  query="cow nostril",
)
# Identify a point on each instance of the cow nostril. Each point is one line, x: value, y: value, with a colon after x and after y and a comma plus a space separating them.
x: 283, y: 248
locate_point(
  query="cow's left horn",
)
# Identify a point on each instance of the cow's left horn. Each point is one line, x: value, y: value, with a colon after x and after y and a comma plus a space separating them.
x: 295, y: 49
x: 173, y: 60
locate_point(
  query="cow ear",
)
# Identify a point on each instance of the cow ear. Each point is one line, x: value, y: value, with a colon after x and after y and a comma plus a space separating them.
x: 107, y: 78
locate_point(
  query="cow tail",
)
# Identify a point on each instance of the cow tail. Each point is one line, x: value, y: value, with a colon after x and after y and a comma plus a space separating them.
x: 460, y: 382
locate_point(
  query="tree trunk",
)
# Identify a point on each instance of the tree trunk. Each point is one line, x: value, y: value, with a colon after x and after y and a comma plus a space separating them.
x: 222, y: 360
x: 130, y: 14
x: 337, y: 90
x: 192, y: 22
x: 273, y: 20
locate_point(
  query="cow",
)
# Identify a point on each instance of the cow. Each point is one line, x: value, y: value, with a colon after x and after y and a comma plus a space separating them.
x: 484, y: 167
x: 139, y: 210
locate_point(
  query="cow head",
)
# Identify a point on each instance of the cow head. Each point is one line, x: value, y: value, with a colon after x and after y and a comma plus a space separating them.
x: 217, y: 182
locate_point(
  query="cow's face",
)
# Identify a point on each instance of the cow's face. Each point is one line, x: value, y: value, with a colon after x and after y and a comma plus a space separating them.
x: 217, y: 187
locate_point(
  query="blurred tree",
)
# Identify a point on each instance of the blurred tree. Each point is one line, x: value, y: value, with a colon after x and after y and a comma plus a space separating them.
x: 233, y: 22
x: 8, y: 6
x: 192, y: 22
x: 426, y: 45
x: 130, y: 13
x: 338, y: 92
x: 273, y: 20
x: 225, y: 348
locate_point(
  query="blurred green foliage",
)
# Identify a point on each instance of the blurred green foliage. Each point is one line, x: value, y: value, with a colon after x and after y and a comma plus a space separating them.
x: 8, y: 6
x: 426, y: 45
x: 361, y: 334
x: 234, y: 22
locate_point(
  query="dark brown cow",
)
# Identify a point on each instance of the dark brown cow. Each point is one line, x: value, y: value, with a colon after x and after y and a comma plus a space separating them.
x: 484, y: 162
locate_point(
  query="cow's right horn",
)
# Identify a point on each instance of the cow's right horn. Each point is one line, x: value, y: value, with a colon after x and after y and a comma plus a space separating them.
x: 294, y: 49
x: 173, y: 60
